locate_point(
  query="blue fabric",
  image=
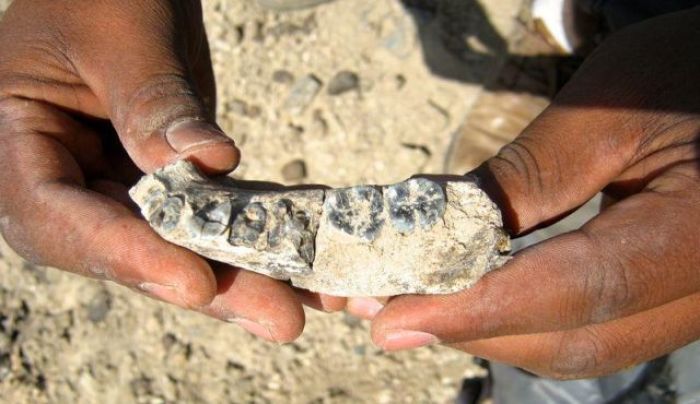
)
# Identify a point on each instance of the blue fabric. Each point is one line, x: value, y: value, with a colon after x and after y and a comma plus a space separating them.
x: 512, y: 386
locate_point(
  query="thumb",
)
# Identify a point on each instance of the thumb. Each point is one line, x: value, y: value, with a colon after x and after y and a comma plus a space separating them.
x: 623, y: 115
x: 142, y: 73
x: 566, y: 156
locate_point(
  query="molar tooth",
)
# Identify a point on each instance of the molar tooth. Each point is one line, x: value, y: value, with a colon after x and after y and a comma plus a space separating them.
x: 356, y: 211
x: 171, y: 212
x: 249, y: 225
x: 292, y: 226
x: 400, y: 212
x: 219, y: 212
x: 430, y: 201
x: 417, y: 199
x: 215, y: 218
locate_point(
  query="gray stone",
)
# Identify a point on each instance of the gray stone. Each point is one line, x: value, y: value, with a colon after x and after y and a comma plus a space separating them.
x: 283, y: 77
x: 302, y: 94
x: 99, y: 306
x: 418, y: 236
x: 343, y: 82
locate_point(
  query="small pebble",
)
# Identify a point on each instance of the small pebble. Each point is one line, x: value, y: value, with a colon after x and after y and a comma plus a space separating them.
x: 294, y: 171
x: 99, y: 306
x: 282, y: 77
x: 351, y: 321
x: 253, y: 111
x: 360, y: 350
x: 400, y: 80
x: 302, y: 94
x: 343, y: 82
x: 169, y: 340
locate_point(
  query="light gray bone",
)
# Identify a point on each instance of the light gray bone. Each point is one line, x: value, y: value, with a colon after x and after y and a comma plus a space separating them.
x: 418, y: 236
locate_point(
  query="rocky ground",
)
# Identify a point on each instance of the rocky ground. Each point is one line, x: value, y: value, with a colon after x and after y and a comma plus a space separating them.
x: 351, y: 92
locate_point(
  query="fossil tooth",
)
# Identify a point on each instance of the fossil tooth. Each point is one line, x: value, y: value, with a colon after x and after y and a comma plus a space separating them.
x: 414, y: 200
x: 356, y: 211
x: 249, y: 225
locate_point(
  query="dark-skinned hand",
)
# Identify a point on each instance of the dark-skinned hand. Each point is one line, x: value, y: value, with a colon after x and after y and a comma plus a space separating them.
x: 623, y: 289
x: 92, y: 95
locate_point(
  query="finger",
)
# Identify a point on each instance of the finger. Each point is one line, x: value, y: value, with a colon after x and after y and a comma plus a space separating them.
x: 261, y: 305
x: 49, y: 218
x: 148, y: 88
x: 598, y: 349
x: 537, y: 177
x: 632, y: 257
x: 320, y: 301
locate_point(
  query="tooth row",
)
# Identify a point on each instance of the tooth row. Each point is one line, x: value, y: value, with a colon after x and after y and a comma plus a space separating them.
x: 360, y: 211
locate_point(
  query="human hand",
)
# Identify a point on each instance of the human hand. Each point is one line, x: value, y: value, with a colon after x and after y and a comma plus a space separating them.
x: 623, y: 289
x: 92, y: 94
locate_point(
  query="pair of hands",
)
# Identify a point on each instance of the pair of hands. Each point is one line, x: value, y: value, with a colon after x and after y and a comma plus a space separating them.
x: 93, y: 95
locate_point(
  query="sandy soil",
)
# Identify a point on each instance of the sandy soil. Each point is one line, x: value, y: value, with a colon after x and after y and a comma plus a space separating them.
x: 67, y: 339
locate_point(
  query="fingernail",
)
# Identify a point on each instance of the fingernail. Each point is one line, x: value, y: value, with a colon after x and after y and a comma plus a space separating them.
x: 163, y: 292
x: 186, y: 135
x: 254, y: 328
x: 365, y: 307
x: 405, y: 339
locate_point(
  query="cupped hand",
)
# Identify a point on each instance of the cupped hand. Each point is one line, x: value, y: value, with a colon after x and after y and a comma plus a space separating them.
x: 93, y: 94
x: 624, y: 288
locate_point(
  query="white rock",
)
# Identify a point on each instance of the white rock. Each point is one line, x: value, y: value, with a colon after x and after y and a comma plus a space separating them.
x: 418, y: 236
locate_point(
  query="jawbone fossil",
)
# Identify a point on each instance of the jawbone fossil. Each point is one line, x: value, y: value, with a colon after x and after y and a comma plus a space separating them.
x: 418, y: 236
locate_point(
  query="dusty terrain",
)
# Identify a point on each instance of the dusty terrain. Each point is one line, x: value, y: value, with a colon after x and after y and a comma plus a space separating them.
x: 66, y: 339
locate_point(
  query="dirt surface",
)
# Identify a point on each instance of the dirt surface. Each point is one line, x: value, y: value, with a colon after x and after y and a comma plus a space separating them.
x: 67, y: 339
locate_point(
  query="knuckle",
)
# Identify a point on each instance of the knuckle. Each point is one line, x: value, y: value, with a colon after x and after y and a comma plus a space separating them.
x: 606, y: 290
x: 519, y: 158
x: 534, y: 167
x: 578, y: 355
x: 18, y: 116
x: 578, y: 301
